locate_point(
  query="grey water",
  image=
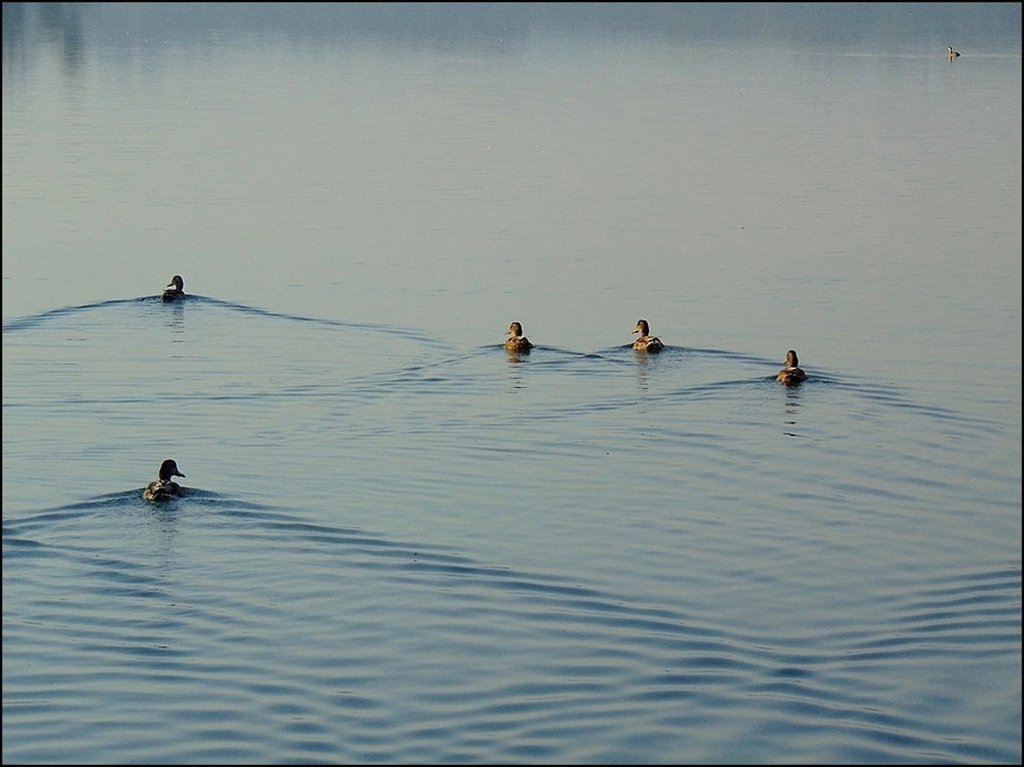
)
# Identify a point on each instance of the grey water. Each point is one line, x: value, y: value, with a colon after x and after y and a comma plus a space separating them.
x: 401, y: 544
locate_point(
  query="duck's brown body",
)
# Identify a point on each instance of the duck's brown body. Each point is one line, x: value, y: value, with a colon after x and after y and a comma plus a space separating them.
x: 791, y: 375
x: 517, y: 343
x: 175, y: 289
x: 646, y: 342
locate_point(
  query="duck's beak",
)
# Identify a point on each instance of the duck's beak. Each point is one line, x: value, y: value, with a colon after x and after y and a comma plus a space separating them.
x: 178, y: 474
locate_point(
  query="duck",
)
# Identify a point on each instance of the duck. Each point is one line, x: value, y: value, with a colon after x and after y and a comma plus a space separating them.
x: 163, y: 488
x: 175, y: 289
x: 952, y: 54
x: 517, y: 343
x: 646, y: 342
x: 791, y: 375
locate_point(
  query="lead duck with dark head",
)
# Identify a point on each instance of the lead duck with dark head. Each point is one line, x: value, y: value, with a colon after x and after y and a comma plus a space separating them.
x: 163, y: 488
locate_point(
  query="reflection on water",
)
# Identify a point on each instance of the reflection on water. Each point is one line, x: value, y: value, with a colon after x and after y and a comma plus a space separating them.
x: 71, y: 24
x: 791, y: 396
x: 176, y: 320
x: 52, y: 26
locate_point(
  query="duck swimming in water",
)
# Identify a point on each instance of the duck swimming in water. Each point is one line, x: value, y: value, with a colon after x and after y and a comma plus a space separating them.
x: 791, y: 375
x: 175, y: 289
x: 164, y: 488
x: 518, y: 343
x: 952, y: 54
x: 646, y: 342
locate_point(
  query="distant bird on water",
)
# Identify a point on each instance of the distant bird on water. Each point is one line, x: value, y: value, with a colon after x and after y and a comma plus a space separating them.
x: 175, y: 289
x: 952, y: 54
x: 791, y: 375
x: 517, y: 342
x: 164, y: 488
x: 646, y: 342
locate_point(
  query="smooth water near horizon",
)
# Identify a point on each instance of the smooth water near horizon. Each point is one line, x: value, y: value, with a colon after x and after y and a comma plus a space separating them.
x: 401, y: 544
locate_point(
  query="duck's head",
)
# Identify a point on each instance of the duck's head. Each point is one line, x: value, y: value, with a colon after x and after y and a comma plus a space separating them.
x: 791, y: 359
x: 169, y: 469
x: 176, y: 283
x: 515, y: 329
x: 642, y: 328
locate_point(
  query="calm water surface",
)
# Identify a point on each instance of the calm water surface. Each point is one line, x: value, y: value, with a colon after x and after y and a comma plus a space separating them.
x: 400, y: 544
